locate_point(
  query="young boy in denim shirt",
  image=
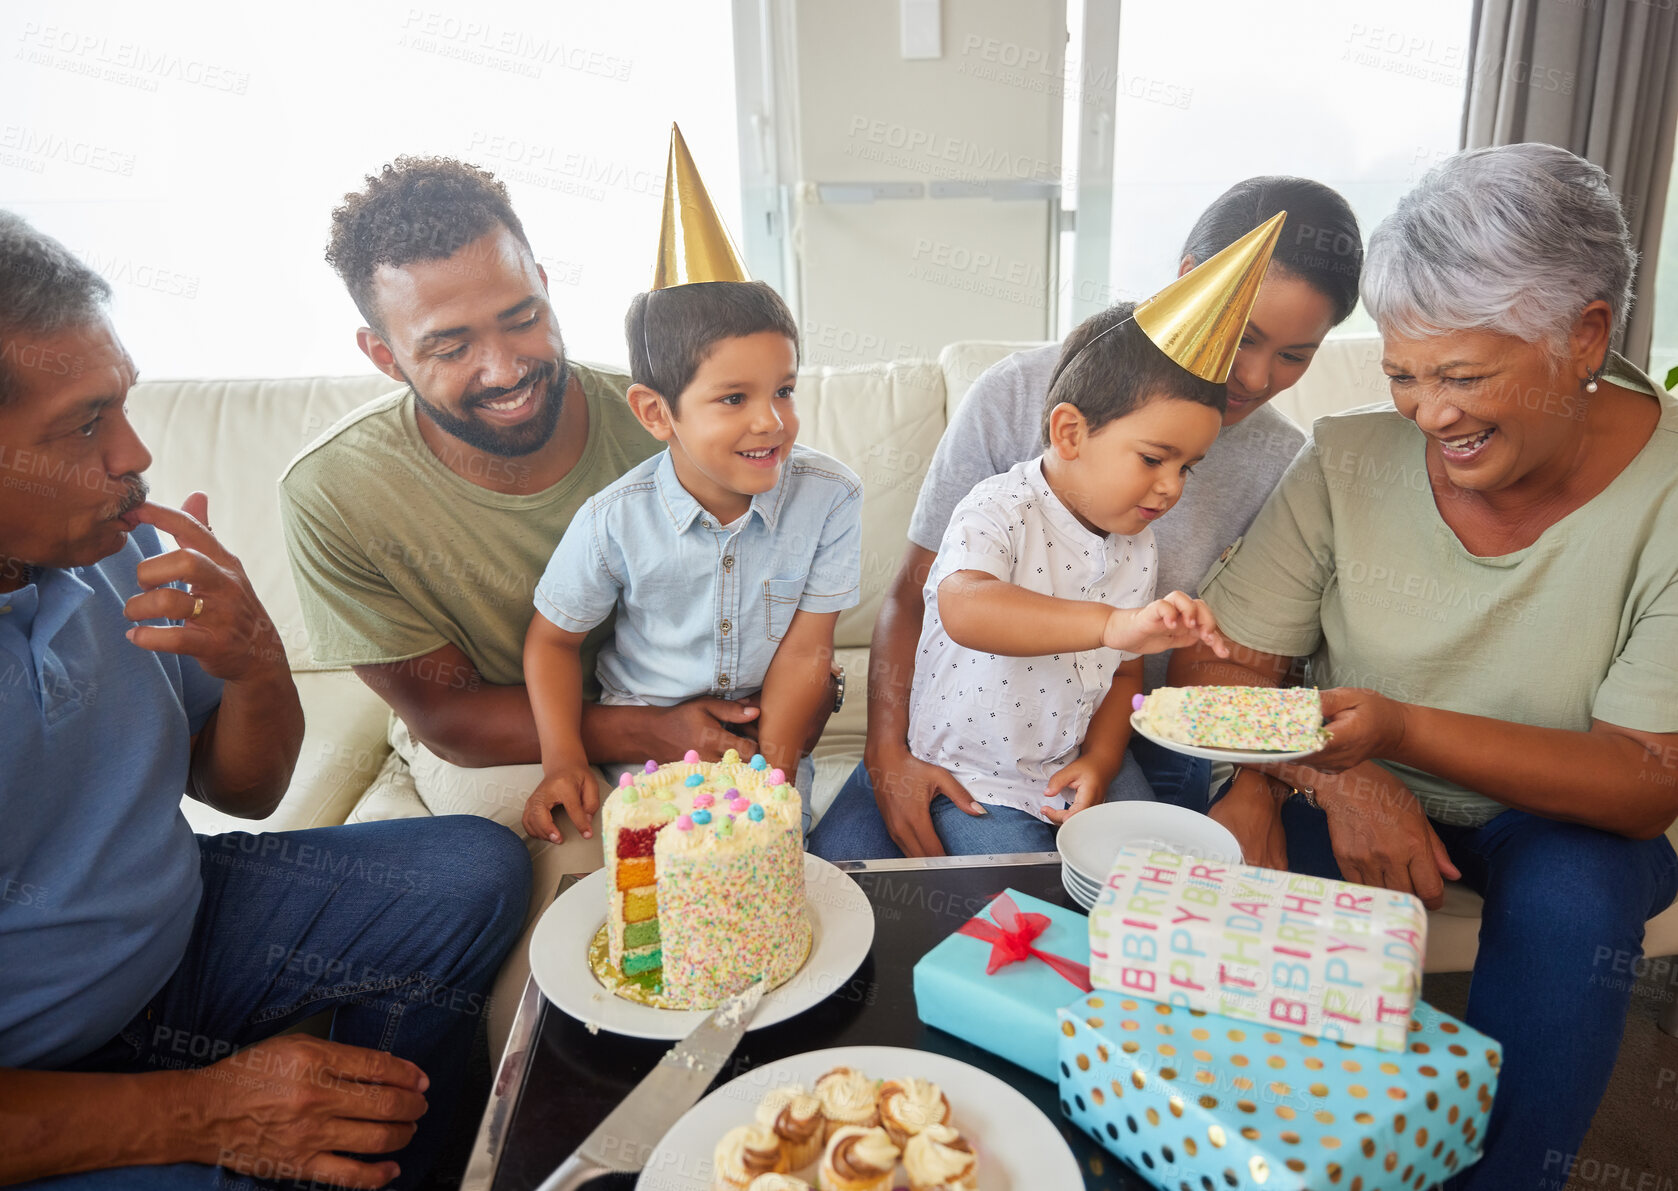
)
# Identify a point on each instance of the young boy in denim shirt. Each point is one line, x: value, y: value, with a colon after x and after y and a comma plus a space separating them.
x: 727, y: 557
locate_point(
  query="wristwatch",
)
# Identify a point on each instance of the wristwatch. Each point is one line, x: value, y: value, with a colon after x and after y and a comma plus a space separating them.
x: 838, y: 687
x: 1306, y: 794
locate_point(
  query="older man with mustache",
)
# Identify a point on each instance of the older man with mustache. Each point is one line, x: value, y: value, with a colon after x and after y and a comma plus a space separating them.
x: 145, y: 971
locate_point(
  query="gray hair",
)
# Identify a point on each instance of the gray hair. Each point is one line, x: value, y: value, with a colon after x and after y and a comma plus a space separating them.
x: 43, y: 289
x: 1516, y: 239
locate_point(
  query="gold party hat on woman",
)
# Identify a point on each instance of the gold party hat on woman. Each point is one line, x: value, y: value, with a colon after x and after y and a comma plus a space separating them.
x: 693, y: 245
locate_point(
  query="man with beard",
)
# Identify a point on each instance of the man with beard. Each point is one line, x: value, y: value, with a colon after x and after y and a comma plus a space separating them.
x: 145, y: 971
x: 419, y: 524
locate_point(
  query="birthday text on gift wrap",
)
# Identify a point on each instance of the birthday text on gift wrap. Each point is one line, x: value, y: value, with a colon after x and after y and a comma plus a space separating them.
x: 1315, y: 956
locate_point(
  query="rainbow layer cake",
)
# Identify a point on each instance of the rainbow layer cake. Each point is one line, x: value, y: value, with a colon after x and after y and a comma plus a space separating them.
x: 705, y: 864
x: 1258, y: 719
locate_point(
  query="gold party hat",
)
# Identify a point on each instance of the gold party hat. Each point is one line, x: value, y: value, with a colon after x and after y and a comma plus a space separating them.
x: 1198, y: 319
x: 693, y: 244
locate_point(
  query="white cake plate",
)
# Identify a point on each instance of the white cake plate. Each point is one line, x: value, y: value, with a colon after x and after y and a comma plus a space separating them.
x: 1019, y: 1148
x: 839, y: 911
x: 1233, y: 756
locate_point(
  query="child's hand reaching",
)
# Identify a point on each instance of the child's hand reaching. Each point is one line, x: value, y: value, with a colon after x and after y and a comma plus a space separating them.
x: 1088, y: 780
x: 1170, y: 622
x: 572, y: 786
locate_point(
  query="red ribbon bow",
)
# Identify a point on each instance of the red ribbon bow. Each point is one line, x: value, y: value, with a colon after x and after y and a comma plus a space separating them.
x: 1010, y: 938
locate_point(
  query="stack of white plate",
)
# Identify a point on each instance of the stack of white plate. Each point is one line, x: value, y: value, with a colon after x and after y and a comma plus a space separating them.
x: 1089, y: 841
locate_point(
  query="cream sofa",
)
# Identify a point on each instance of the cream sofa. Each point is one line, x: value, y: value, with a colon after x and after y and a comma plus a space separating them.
x: 232, y: 439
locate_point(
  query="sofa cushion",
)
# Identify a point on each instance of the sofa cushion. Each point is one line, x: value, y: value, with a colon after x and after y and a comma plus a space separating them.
x: 964, y: 362
x: 883, y: 421
x: 344, y: 727
x: 1345, y: 374
x: 232, y: 439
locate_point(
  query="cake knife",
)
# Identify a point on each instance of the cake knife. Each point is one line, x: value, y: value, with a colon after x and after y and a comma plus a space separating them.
x: 626, y: 1138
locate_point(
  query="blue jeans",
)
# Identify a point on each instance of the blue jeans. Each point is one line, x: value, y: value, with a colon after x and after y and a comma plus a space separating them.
x: 1562, y: 925
x: 852, y: 828
x: 397, y: 927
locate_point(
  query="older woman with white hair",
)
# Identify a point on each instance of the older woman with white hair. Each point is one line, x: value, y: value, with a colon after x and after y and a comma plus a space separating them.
x: 1484, y: 578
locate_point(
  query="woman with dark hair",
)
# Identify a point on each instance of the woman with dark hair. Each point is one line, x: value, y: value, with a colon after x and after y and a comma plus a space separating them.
x: 890, y: 804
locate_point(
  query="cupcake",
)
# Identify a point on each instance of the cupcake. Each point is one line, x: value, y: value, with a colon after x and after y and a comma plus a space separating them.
x: 940, y: 1159
x: 745, y: 1153
x: 848, y: 1098
x: 909, y: 1105
x: 778, y: 1182
x: 857, y: 1159
x: 796, y: 1118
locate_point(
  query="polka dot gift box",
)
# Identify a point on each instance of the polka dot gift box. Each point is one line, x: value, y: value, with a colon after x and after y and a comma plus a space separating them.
x: 1290, y: 952
x: 1207, y: 1103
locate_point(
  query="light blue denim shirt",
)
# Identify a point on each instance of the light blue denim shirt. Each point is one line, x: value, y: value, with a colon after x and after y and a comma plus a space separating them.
x: 702, y: 606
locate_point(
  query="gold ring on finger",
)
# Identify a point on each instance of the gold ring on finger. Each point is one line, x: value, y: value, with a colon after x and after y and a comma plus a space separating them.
x: 197, y: 607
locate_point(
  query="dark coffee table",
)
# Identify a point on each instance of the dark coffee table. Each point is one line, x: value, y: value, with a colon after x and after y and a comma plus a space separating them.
x: 557, y: 1081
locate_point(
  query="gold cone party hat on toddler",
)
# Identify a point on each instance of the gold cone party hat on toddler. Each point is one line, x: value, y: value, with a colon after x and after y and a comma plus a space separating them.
x: 1198, y: 319
x: 693, y: 244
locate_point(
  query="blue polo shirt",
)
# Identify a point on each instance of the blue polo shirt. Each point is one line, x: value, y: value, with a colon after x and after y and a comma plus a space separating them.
x: 99, y: 876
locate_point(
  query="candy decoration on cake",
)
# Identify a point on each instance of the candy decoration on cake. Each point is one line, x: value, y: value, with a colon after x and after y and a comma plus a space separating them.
x: 1258, y: 719
x: 697, y: 913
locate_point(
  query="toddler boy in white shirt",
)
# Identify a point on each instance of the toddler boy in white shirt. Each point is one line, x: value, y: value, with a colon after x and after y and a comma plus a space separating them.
x: 1041, y: 602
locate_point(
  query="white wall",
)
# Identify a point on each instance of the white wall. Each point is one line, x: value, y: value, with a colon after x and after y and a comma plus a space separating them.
x: 900, y: 278
x: 193, y: 151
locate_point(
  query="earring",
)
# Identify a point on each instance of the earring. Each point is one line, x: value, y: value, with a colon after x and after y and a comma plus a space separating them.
x: 1590, y: 381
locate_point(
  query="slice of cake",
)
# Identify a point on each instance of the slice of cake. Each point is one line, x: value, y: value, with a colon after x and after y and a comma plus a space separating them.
x: 1257, y: 719
x: 705, y: 865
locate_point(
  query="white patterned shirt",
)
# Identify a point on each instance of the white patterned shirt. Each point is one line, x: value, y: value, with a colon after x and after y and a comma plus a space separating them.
x: 1004, y: 725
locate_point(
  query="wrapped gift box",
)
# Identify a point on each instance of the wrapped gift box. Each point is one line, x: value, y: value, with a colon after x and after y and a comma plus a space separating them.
x: 1191, y: 1098
x: 999, y: 981
x: 1326, y: 958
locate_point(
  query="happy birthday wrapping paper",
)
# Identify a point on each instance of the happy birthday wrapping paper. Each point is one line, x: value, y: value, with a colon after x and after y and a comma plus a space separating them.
x: 1291, y: 952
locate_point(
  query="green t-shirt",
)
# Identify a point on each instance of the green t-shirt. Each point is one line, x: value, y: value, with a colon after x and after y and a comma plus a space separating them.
x: 395, y: 555
x: 1349, y: 564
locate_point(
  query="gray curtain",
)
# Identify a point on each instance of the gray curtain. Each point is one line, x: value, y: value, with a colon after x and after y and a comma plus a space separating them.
x: 1599, y: 78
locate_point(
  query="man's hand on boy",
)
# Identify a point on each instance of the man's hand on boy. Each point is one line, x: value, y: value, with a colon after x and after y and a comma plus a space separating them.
x: 904, y: 787
x: 1088, y: 778
x: 571, y: 786
x: 1170, y: 622
x: 708, y: 726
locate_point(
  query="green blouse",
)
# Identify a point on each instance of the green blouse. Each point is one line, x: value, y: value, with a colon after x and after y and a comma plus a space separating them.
x: 1350, y: 565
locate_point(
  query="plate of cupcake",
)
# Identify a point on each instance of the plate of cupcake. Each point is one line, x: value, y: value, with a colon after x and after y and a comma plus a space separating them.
x: 863, y: 1118
x: 706, y: 889
x: 1239, y: 724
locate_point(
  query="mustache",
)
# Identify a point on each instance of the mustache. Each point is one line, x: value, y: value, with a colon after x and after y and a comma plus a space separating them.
x: 540, y: 375
x: 136, y: 495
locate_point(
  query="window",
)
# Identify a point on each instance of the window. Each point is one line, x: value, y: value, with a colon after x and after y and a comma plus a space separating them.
x: 1364, y: 98
x: 193, y: 156
x: 1663, y: 353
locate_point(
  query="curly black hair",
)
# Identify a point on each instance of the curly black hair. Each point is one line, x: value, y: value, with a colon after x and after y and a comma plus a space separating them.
x: 415, y: 209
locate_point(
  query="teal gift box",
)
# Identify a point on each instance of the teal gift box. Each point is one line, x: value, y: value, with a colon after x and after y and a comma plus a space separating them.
x: 1001, y: 979
x: 1190, y: 1098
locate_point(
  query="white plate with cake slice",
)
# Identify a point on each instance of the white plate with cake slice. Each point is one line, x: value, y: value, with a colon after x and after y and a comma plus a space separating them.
x: 1232, y: 756
x: 1018, y: 1148
x: 843, y: 930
